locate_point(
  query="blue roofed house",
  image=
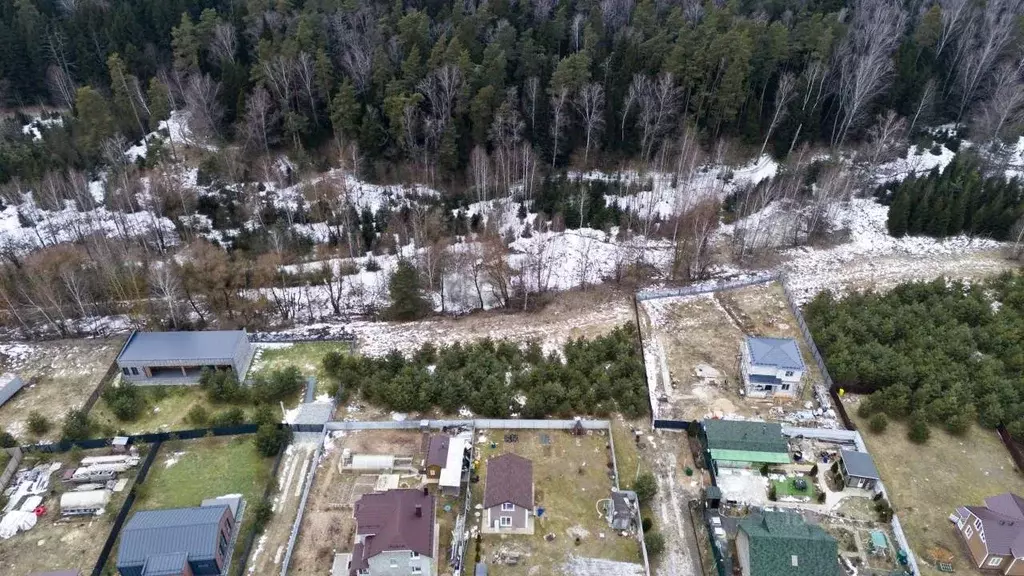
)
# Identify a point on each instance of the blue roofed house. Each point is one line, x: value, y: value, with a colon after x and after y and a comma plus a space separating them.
x: 771, y: 366
x: 170, y: 358
x: 178, y: 541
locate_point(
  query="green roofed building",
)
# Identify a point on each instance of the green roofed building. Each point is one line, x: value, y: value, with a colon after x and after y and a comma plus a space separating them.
x: 745, y: 443
x: 782, y: 544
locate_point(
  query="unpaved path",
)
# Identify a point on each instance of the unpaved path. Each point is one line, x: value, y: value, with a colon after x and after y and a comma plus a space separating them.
x: 267, y: 556
x: 678, y: 559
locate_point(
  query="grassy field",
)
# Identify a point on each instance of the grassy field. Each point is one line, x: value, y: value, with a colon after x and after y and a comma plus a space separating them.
x: 571, y: 475
x: 927, y: 482
x: 306, y: 356
x: 787, y: 487
x: 187, y: 472
x: 166, y: 409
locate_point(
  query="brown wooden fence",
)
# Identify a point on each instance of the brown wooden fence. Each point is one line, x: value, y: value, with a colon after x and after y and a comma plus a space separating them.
x: 1012, y: 447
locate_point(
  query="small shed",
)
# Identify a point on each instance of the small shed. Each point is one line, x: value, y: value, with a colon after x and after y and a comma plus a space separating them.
x: 119, y: 444
x: 437, y: 454
x: 9, y: 386
x: 620, y: 510
x: 858, y: 469
x: 450, y: 480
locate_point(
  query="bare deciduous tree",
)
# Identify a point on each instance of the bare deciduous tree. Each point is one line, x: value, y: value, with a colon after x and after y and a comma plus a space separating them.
x: 259, y: 119
x: 223, y: 43
x: 783, y: 95
x: 924, y: 104
x: 980, y: 48
x: 357, y: 34
x: 204, y: 110
x: 590, y: 106
x: 532, y: 93
x: 864, y: 61
x: 886, y: 136
x: 559, y: 100
x: 1005, y: 107
x: 61, y: 86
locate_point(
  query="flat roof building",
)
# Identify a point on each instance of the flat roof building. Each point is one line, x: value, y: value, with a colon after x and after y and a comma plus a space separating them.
x: 168, y: 358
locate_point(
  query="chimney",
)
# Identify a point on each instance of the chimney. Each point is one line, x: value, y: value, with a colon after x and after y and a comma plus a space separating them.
x: 419, y: 510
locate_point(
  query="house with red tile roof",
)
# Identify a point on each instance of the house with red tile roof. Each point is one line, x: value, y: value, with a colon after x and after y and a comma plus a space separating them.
x: 396, y: 534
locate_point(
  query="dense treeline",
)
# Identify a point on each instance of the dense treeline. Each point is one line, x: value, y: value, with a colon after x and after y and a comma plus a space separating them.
x: 598, y: 376
x: 957, y: 200
x: 444, y: 86
x: 941, y: 352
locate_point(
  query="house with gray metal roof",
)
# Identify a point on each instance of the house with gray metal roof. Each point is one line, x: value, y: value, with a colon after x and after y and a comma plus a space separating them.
x: 171, y: 358
x: 771, y: 366
x: 858, y: 469
x: 783, y: 544
x: 177, y: 541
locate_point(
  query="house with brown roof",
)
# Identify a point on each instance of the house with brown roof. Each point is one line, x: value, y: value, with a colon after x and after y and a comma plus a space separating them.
x: 508, y: 495
x: 437, y: 455
x: 395, y: 534
x: 994, y: 533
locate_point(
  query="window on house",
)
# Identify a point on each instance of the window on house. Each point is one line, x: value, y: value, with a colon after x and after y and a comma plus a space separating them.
x: 793, y: 560
x: 135, y: 371
x: 785, y: 386
x: 223, y: 544
x: 415, y: 570
x: 981, y: 535
x: 125, y: 372
x: 414, y: 554
x: 508, y: 507
x: 789, y: 373
x: 968, y: 532
x: 394, y: 563
x: 505, y: 521
x: 977, y: 523
x: 995, y: 561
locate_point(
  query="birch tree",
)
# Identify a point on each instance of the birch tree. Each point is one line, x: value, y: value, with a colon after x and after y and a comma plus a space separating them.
x: 589, y: 104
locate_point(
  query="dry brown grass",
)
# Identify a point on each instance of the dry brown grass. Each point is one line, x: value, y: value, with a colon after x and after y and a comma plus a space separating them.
x: 61, y: 376
x: 287, y: 497
x: 709, y: 329
x: 927, y: 482
x: 571, y: 476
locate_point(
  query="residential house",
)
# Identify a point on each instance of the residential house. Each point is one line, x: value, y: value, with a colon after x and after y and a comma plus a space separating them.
x: 771, y: 366
x: 858, y: 469
x: 994, y: 533
x: 179, y: 541
x: 744, y: 443
x: 171, y: 358
x: 508, y: 495
x: 395, y: 534
x: 783, y: 544
x: 620, y: 510
x: 437, y: 454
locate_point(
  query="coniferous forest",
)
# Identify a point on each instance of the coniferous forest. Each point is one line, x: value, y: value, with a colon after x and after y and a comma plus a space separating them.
x: 957, y: 200
x: 432, y: 83
x: 943, y: 352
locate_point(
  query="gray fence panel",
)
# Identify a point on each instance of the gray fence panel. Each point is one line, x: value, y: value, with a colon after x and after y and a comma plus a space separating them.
x: 479, y: 423
x: 12, y: 465
x: 705, y: 287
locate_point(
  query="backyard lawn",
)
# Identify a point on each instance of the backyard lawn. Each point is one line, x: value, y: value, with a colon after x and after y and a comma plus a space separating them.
x: 306, y: 356
x: 166, y: 408
x: 927, y: 482
x: 571, y: 476
x: 788, y: 487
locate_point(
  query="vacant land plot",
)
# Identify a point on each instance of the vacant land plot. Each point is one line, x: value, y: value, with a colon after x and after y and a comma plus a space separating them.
x: 327, y: 522
x: 267, y: 555
x: 927, y: 482
x: 60, y: 374
x: 54, y: 543
x: 188, y: 471
x: 704, y: 333
x: 571, y: 475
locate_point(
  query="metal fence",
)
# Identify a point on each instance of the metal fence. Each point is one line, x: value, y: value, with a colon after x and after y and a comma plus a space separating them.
x: 706, y: 287
x: 1004, y: 435
x: 12, y: 465
x: 147, y: 438
x: 251, y: 538
x: 105, y: 381
x: 483, y: 423
x: 122, y: 515
x: 310, y: 476
x: 672, y: 424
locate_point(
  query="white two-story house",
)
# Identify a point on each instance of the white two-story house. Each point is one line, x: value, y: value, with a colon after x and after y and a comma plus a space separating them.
x: 771, y: 366
x: 396, y: 535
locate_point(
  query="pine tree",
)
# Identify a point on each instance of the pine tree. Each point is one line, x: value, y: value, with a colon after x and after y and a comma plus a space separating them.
x: 898, y: 214
x: 958, y: 213
x: 93, y: 121
x: 407, y: 300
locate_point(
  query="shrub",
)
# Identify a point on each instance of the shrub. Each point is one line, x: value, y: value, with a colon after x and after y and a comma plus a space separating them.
x: 655, y: 543
x: 372, y: 265
x: 234, y: 416
x: 37, y: 423
x: 198, y: 415
x: 277, y: 385
x: 772, y: 493
x: 262, y: 512
x: 821, y: 497
x: 124, y: 400
x: 270, y: 439
x: 77, y: 426
x: 645, y: 486
x: 884, y: 511
x: 765, y: 469
x: 866, y: 408
x: 878, y: 423
x: 958, y: 424
x: 7, y: 440
x: 265, y: 414
x: 919, y: 431
x: 221, y: 385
